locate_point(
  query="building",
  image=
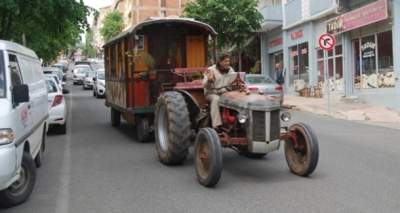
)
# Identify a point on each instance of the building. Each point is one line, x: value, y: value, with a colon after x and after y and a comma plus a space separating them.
x: 365, y: 60
x: 136, y: 11
x: 97, y: 25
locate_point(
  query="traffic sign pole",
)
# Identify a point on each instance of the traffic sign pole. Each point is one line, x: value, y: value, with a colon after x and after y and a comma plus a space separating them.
x: 327, y: 42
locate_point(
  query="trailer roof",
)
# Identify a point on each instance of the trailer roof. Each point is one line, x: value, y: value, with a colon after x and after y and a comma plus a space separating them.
x: 161, y: 20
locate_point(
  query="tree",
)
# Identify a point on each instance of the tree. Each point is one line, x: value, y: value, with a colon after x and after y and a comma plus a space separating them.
x: 235, y: 21
x: 46, y: 26
x: 88, y: 48
x: 113, y: 24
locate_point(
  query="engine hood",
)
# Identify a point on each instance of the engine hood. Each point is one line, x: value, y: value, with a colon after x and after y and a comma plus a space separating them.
x: 241, y: 101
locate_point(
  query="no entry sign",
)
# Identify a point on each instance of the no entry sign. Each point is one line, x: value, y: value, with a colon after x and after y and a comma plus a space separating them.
x: 327, y: 41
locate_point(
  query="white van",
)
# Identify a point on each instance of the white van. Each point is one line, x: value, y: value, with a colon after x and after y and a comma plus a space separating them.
x: 23, y: 121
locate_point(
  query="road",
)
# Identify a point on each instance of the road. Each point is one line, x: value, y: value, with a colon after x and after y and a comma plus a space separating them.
x: 97, y: 168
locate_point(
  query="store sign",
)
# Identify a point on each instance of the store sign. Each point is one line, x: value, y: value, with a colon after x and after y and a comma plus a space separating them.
x: 368, y: 49
x: 297, y: 34
x: 369, y: 14
x: 275, y: 42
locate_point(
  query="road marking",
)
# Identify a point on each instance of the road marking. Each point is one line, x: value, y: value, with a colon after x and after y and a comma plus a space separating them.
x: 62, y: 201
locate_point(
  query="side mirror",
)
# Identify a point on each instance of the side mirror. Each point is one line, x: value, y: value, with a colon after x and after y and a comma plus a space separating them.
x: 65, y: 91
x: 20, y: 94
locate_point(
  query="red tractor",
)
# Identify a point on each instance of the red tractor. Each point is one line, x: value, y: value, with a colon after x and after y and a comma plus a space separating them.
x: 251, y: 126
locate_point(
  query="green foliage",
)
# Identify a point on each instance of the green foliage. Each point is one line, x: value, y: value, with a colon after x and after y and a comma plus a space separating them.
x: 48, y: 26
x: 88, y: 48
x: 234, y: 20
x: 113, y: 24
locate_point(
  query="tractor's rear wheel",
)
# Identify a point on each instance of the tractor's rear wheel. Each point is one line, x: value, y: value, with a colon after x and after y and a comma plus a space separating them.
x: 301, y: 151
x: 143, y: 132
x: 208, y: 157
x: 115, y: 117
x: 172, y: 128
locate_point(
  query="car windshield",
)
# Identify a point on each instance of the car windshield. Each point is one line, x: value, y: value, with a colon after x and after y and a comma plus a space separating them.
x: 101, y: 75
x: 259, y: 80
x: 82, y: 70
x: 51, y: 86
x: 2, y: 77
x: 90, y: 74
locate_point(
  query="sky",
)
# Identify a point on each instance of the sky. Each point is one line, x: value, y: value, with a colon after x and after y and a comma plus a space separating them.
x: 97, y: 3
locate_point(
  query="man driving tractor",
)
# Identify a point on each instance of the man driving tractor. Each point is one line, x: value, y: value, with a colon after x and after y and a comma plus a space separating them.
x: 215, y: 80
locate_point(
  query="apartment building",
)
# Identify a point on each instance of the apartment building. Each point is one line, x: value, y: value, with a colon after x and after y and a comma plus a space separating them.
x: 136, y: 11
x: 365, y: 61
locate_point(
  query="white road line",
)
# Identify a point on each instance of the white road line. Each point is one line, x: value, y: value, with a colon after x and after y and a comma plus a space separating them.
x: 62, y: 201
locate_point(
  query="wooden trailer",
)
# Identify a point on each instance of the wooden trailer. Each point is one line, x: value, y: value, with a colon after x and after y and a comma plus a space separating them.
x: 139, y: 65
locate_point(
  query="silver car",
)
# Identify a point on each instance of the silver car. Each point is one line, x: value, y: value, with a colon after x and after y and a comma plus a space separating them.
x: 264, y: 84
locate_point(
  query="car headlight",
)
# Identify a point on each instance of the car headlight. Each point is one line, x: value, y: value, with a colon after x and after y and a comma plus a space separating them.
x: 242, y: 118
x: 286, y: 116
x: 6, y: 136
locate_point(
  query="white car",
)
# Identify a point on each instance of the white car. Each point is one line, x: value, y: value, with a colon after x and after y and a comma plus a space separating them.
x: 23, y: 121
x: 88, y: 81
x: 56, y: 79
x: 55, y: 71
x: 99, y: 88
x: 57, y: 106
x: 79, y: 73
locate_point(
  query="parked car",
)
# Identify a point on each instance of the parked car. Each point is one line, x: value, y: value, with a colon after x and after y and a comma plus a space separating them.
x: 79, y: 74
x: 23, y: 121
x: 54, y: 70
x: 264, y: 84
x: 99, y: 85
x: 63, y: 67
x: 88, y: 82
x: 59, y: 82
x: 57, y: 106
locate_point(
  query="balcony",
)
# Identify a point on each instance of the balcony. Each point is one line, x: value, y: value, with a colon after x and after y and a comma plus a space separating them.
x: 272, y: 17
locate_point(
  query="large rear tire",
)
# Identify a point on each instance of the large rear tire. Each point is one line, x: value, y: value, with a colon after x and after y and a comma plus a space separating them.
x: 21, y: 189
x: 302, y: 158
x: 208, y: 157
x: 115, y: 117
x: 172, y: 128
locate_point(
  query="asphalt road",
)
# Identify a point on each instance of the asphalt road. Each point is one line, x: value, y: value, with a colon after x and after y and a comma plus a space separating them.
x: 97, y: 168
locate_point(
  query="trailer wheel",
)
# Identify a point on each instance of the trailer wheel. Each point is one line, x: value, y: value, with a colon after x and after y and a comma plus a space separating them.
x: 115, y: 117
x: 208, y: 157
x: 301, y: 151
x: 172, y: 128
x: 143, y: 132
x: 21, y: 189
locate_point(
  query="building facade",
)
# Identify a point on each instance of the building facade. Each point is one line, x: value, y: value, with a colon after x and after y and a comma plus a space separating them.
x: 365, y: 61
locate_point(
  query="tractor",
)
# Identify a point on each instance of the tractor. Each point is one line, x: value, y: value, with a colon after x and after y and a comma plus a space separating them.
x: 251, y: 126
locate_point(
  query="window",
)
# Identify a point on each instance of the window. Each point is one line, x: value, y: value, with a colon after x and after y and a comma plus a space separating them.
x: 335, y: 68
x: 16, y: 78
x: 2, y: 77
x: 51, y: 86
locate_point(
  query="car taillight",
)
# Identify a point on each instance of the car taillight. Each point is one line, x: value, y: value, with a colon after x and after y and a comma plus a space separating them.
x: 57, y: 100
x: 253, y: 89
x: 279, y: 88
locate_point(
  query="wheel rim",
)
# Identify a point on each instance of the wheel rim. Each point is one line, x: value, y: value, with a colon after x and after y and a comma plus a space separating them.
x: 203, y: 158
x: 162, y: 128
x: 19, y: 186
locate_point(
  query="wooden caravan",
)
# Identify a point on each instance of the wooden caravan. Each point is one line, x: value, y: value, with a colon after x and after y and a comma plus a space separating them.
x: 139, y: 65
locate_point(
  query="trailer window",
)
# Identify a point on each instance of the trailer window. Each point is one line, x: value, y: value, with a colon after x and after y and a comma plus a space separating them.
x: 2, y: 77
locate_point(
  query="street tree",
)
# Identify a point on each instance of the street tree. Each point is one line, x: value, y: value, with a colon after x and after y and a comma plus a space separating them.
x: 235, y: 21
x: 88, y: 49
x: 113, y: 24
x: 46, y: 26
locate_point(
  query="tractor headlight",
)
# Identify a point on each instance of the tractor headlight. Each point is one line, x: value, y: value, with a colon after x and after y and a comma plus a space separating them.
x: 242, y: 118
x: 6, y: 136
x: 286, y: 116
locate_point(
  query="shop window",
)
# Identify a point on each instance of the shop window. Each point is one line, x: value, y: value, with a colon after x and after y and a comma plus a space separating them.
x: 385, y: 60
x: 299, y: 73
x: 368, y: 53
x: 335, y: 69
x: 356, y: 63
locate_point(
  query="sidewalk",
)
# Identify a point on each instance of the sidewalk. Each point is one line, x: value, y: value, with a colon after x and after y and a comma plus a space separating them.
x: 348, y: 110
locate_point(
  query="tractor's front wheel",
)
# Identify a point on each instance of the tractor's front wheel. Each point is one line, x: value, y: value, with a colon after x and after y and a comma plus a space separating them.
x: 301, y: 149
x: 172, y: 128
x: 208, y: 157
